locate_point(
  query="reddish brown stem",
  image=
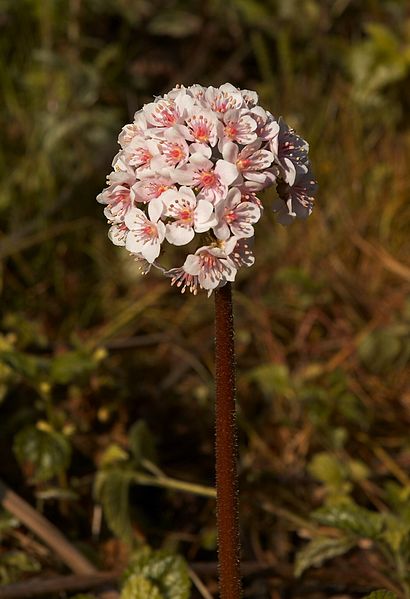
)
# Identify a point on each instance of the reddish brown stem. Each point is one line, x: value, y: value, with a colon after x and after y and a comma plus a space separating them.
x: 227, y: 500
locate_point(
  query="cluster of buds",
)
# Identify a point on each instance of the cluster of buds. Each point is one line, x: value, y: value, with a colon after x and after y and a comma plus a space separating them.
x: 189, y: 171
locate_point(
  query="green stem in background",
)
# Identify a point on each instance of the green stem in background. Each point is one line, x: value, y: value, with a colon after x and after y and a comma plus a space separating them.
x: 226, y: 448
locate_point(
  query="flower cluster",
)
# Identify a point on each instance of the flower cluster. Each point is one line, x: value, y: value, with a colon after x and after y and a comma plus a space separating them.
x: 190, y: 167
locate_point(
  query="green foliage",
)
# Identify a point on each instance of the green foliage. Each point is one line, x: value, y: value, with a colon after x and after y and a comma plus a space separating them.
x: 336, y: 475
x: 160, y: 574
x: 44, y: 453
x: 141, y: 443
x: 351, y: 519
x: 118, y: 470
x: 386, y: 348
x: 273, y: 379
x: 381, y: 594
x: 138, y: 587
x: 7, y: 522
x: 112, y: 490
x: 71, y: 365
x: 378, y: 63
x: 320, y: 549
x: 14, y: 564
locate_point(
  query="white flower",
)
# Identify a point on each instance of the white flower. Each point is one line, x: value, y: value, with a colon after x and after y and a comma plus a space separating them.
x: 237, y: 125
x: 202, y: 126
x: 211, y: 179
x: 252, y: 162
x: 235, y: 217
x: 190, y: 168
x: 151, y: 187
x: 190, y: 216
x: 211, y: 265
x: 145, y: 235
x: 224, y: 98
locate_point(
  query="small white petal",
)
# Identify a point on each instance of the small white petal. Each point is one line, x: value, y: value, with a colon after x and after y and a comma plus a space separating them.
x: 178, y: 235
x: 226, y: 171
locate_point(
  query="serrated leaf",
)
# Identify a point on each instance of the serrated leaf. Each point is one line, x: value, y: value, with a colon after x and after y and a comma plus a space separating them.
x: 138, y: 587
x: 351, y: 518
x: 381, y: 594
x: 169, y: 572
x: 46, y: 453
x: 112, y: 490
x: 141, y: 442
x: 320, y: 549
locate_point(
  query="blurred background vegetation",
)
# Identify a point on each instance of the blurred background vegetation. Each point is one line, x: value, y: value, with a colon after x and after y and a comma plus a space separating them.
x: 106, y: 384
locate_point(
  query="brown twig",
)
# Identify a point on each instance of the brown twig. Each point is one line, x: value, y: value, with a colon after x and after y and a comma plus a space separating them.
x: 46, y: 531
x: 56, y: 584
x: 227, y: 493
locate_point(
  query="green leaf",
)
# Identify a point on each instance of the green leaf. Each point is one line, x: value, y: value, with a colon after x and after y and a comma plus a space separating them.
x: 326, y: 468
x: 112, y: 490
x: 351, y: 518
x: 71, y: 365
x: 23, y: 364
x: 141, y: 442
x: 169, y: 572
x: 112, y: 455
x: 272, y: 379
x: 15, y: 563
x: 47, y: 453
x: 320, y: 549
x: 381, y: 594
x: 138, y: 587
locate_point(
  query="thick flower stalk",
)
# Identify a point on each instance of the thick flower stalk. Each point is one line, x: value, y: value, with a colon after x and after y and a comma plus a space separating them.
x: 188, y: 174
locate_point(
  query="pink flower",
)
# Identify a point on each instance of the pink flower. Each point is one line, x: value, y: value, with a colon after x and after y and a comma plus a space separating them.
x: 117, y: 196
x: 267, y: 126
x: 117, y: 233
x: 139, y: 153
x: 173, y: 150
x: 211, y: 265
x: 252, y: 162
x: 192, y: 162
x: 235, y: 217
x: 145, y: 235
x: 202, y: 127
x: 152, y: 187
x: 224, y: 98
x: 237, y: 125
x: 190, y: 216
x: 166, y: 112
x: 211, y: 179
x: 249, y: 96
x: 135, y: 129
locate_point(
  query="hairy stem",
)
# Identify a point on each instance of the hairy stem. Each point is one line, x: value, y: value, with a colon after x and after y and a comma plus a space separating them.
x: 227, y: 494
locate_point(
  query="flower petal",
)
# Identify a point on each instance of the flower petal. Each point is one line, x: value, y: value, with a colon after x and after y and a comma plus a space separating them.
x: 178, y: 235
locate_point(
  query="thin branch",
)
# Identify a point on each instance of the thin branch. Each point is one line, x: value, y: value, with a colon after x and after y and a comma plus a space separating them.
x: 46, y: 531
